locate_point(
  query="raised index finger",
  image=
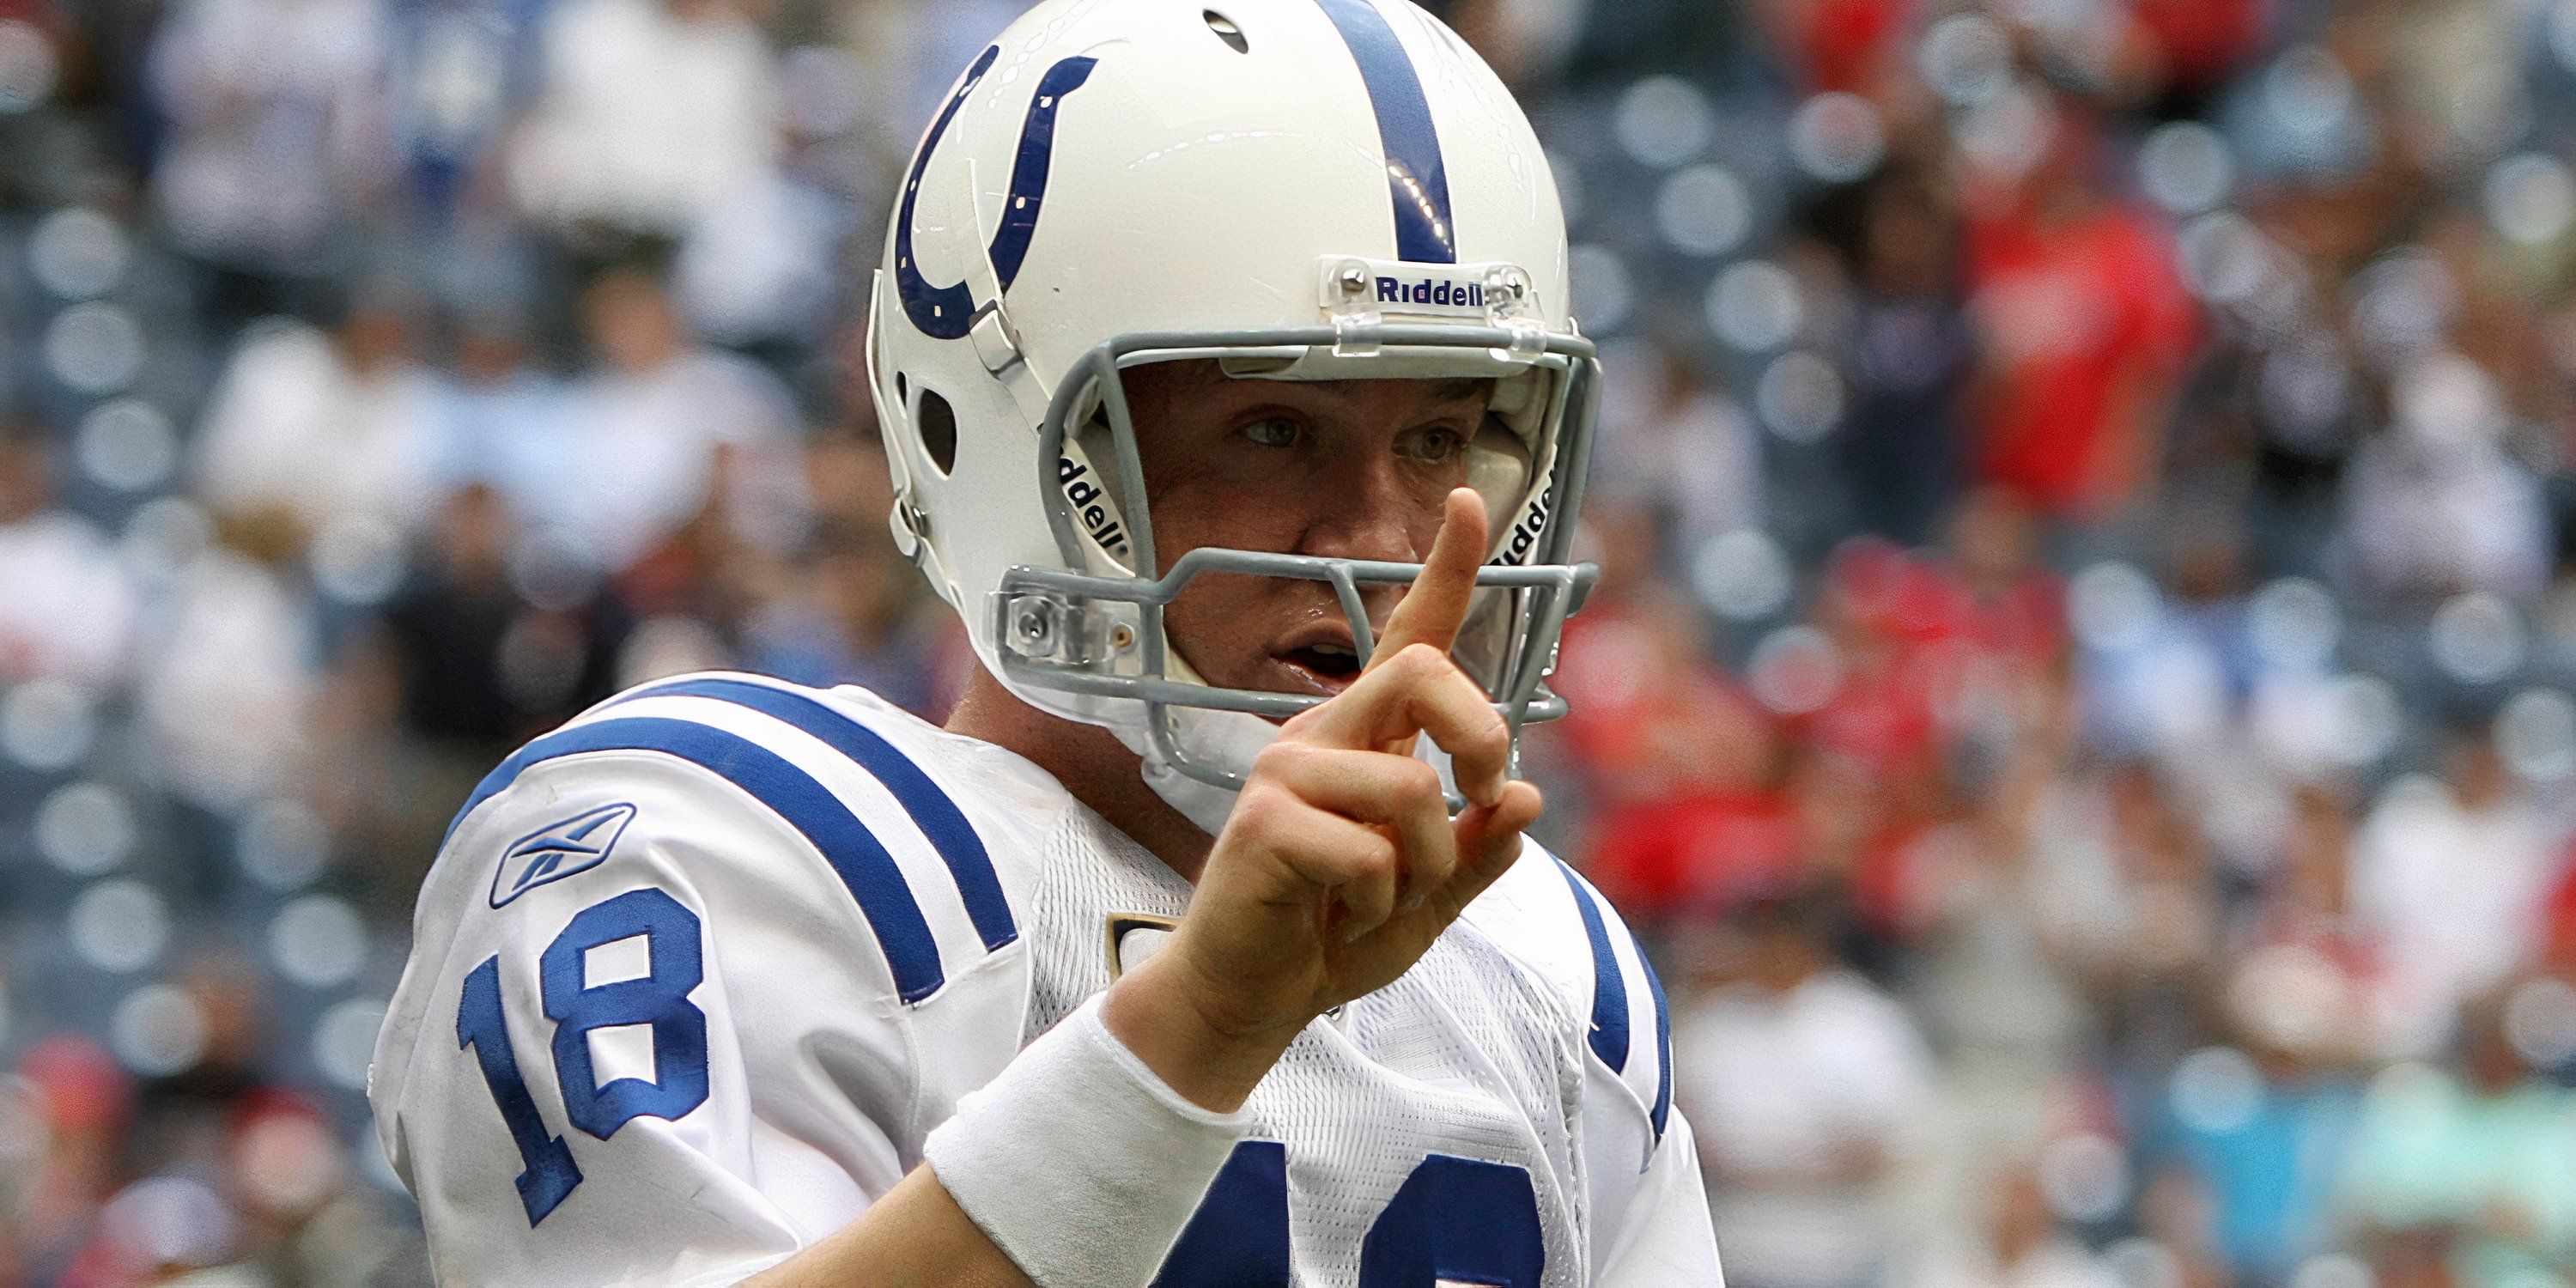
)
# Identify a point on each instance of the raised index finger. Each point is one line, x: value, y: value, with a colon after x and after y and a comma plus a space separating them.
x: 1436, y: 606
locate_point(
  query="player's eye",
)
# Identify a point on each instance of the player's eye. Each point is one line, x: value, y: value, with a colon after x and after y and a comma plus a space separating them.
x: 1272, y: 431
x: 1431, y: 445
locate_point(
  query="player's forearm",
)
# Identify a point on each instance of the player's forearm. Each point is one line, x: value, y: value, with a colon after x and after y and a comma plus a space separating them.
x: 914, y: 1237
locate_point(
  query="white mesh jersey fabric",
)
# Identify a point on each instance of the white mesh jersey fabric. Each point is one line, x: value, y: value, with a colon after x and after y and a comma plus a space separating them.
x: 1467, y: 1055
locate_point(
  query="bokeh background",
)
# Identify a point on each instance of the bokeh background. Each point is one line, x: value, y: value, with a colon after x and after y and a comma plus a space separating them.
x: 2078, y: 701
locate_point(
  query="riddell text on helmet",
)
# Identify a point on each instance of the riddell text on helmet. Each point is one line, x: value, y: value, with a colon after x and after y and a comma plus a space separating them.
x: 1433, y: 292
x: 1090, y: 503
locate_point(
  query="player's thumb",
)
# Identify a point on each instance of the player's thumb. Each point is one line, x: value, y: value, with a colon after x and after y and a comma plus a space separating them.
x: 1489, y: 840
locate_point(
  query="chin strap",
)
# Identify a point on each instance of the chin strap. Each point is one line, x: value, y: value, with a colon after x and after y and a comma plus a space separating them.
x: 1228, y: 738
x: 1231, y: 739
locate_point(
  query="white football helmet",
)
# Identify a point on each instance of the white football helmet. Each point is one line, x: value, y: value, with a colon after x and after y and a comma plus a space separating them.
x: 1300, y: 189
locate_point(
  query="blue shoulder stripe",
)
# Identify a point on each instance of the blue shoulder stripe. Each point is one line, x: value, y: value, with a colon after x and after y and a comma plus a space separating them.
x: 1663, y: 1043
x: 862, y: 864
x: 1610, y: 1038
x: 1609, y: 987
x: 1417, y: 177
x: 932, y: 809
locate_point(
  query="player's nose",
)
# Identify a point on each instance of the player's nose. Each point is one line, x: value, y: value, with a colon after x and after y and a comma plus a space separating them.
x: 1370, y: 511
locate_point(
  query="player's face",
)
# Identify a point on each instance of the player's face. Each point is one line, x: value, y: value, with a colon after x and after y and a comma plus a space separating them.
x: 1353, y: 469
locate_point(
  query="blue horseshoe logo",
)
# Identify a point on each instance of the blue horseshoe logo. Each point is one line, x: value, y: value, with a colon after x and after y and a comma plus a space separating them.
x: 948, y: 312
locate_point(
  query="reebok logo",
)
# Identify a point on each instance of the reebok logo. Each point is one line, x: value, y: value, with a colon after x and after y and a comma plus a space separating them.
x: 559, y: 850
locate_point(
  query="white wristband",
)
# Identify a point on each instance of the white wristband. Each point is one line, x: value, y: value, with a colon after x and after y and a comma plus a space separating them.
x: 1080, y: 1163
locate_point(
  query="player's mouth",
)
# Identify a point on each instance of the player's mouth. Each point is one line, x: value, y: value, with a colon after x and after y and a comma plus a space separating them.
x: 1318, y: 659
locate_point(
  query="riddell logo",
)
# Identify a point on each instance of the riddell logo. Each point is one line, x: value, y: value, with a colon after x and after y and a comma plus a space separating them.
x: 1401, y: 287
x: 1525, y: 533
x: 1431, y: 292
x: 1090, y: 504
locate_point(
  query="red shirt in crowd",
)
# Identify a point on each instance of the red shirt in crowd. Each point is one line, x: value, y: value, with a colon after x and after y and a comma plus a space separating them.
x: 2085, y: 323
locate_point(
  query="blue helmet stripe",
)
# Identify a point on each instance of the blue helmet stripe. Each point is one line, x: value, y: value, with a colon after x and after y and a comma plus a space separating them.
x: 1609, y: 987
x: 947, y: 312
x: 1029, y: 172
x: 1416, y: 176
x: 942, y: 312
x: 932, y: 810
x: 854, y: 853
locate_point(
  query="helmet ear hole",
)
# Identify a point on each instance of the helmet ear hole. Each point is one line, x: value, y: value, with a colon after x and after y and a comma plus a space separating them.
x: 1226, y: 31
x: 936, y: 422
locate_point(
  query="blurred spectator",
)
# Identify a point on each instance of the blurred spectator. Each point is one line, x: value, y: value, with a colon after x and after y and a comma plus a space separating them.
x: 652, y: 115
x: 2083, y: 324
x: 287, y: 1177
x: 2003, y: 915
x: 669, y: 428
x: 1680, y: 766
x: 481, y: 669
x: 69, y: 610
x: 68, y: 1105
x: 2170, y: 686
x: 2099, y: 883
x: 2021, y: 1244
x: 2452, y: 876
x: 1676, y: 447
x: 1803, y: 1083
x: 1910, y: 354
x: 463, y: 79
x: 2309, y: 977
x: 2486, y: 1155
x: 2436, y: 505
x: 226, y: 675
x: 2001, y: 604
x: 311, y: 432
x: 760, y: 270
x: 2261, y: 1134
x: 463, y: 71
x: 851, y: 619
x: 267, y: 158
x: 504, y: 423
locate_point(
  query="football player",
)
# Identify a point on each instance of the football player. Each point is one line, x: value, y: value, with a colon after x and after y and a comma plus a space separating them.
x: 1222, y: 355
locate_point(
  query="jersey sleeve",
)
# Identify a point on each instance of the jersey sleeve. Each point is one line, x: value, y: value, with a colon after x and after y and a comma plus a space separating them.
x: 1664, y: 1237
x: 674, y: 977
x: 1650, y: 1211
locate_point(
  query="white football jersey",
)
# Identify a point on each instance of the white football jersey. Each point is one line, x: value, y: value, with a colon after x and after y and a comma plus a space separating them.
x: 696, y: 974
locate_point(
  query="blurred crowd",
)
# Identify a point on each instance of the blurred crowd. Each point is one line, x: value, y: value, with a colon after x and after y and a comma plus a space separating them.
x: 2078, y: 699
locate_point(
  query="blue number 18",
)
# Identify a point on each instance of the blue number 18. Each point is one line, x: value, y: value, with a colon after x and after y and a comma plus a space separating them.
x: 660, y: 999
x: 550, y: 1173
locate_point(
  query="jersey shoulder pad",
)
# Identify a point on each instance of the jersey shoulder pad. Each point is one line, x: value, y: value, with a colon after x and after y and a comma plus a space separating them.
x: 1558, y: 924
x: 850, y: 774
